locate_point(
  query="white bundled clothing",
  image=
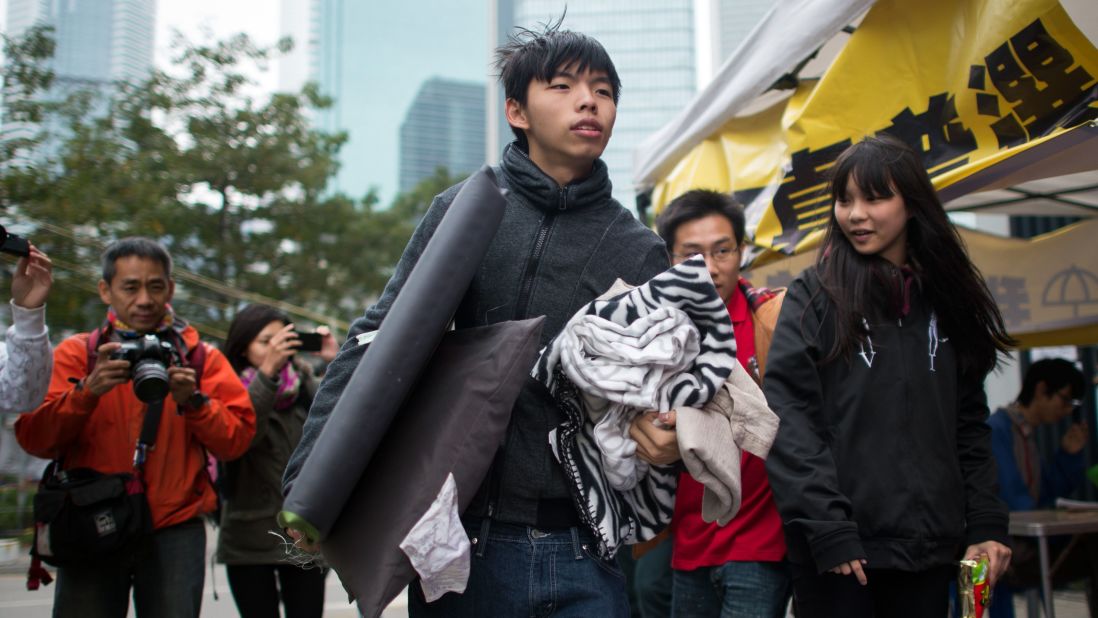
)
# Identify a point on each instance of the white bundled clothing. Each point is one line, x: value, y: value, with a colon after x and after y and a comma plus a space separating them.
x: 712, y: 439
x: 615, y: 515
x: 623, y: 370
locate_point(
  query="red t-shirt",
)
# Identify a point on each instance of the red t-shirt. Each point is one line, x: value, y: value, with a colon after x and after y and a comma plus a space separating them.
x: 755, y: 534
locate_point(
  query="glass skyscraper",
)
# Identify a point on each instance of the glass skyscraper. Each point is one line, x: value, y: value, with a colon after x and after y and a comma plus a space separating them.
x: 444, y: 127
x: 372, y: 59
x: 98, y: 41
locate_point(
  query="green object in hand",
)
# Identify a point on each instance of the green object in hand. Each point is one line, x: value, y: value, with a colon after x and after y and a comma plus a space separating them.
x: 286, y: 519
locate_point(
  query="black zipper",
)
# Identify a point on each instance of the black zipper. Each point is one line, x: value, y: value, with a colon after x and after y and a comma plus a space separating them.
x: 521, y: 308
x: 522, y: 304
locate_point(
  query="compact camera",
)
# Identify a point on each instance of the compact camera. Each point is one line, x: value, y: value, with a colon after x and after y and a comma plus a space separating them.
x: 149, y: 361
x: 10, y: 243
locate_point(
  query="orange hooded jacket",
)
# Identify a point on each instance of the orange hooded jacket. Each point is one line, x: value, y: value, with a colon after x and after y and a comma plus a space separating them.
x: 85, y: 431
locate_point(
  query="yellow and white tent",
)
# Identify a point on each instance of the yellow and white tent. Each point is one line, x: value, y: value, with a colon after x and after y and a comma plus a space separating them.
x: 997, y: 95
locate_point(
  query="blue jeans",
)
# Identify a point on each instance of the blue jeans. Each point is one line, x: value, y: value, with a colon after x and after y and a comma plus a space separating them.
x: 521, y: 571
x: 166, y: 574
x: 732, y: 590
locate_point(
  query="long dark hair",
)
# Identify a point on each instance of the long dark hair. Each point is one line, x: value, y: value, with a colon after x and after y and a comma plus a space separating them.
x: 881, y: 167
x: 244, y: 329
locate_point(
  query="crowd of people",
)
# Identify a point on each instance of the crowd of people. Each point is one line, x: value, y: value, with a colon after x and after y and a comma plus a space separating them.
x: 881, y: 476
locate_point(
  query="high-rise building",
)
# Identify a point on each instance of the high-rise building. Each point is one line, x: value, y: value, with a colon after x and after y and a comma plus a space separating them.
x: 301, y: 21
x: 444, y: 127
x: 664, y: 51
x: 372, y: 58
x: 98, y: 41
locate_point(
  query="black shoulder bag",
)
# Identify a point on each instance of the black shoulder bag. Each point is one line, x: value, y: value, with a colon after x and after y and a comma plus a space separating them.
x: 82, y: 514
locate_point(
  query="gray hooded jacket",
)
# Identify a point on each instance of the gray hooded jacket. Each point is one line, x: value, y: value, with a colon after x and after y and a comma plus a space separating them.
x: 557, y: 249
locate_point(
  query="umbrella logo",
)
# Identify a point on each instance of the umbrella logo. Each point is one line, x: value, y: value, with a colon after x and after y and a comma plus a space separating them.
x: 1074, y: 287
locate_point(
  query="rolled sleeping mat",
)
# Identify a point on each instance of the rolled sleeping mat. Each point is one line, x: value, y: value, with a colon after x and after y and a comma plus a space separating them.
x: 404, y: 343
x: 451, y: 424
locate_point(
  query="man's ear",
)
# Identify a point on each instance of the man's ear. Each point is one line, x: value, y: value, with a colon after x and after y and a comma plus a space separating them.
x: 171, y: 289
x: 105, y: 292
x: 516, y: 115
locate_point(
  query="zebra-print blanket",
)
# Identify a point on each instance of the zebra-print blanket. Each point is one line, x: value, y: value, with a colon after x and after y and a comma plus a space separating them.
x: 624, y: 517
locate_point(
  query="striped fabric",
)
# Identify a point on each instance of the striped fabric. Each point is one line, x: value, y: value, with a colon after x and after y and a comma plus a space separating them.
x: 636, y: 514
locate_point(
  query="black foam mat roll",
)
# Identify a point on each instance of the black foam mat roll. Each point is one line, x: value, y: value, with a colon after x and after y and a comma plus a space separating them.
x: 404, y: 343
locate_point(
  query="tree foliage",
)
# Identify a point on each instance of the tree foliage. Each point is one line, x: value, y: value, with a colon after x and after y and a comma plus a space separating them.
x: 233, y: 183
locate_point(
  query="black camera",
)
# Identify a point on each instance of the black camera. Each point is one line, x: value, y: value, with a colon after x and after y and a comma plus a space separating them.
x: 10, y: 243
x: 149, y: 361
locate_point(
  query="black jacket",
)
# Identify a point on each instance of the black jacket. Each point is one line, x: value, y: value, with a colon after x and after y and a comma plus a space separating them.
x: 556, y: 249
x: 884, y: 456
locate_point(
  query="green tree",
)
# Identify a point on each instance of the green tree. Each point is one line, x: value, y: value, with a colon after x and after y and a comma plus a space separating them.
x: 232, y: 182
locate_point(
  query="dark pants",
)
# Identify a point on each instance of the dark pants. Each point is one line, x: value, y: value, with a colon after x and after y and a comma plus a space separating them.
x: 732, y: 590
x: 648, y: 580
x: 258, y: 588
x: 166, y: 574
x: 888, y: 594
x: 522, y: 571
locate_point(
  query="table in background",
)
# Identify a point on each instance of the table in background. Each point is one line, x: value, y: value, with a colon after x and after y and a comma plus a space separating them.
x: 1043, y: 524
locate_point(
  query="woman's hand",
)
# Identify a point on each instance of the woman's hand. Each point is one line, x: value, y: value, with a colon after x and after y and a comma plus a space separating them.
x: 854, y: 567
x: 329, y: 347
x: 280, y: 349
x: 30, y: 286
x: 998, y: 558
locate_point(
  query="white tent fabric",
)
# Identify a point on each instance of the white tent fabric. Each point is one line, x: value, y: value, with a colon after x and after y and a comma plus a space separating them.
x: 1058, y: 177
x: 789, y: 33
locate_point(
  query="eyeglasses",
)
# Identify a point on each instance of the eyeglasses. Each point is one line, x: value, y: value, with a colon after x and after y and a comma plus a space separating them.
x: 1074, y: 403
x: 717, y: 254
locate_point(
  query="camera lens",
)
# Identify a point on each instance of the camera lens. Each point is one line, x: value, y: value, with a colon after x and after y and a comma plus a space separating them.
x: 150, y: 380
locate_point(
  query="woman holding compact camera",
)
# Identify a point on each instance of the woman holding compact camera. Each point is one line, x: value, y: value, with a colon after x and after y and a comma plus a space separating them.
x: 261, y: 347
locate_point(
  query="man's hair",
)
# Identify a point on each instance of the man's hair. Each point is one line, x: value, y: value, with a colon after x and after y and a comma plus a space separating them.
x: 140, y: 246
x: 1056, y: 373
x: 695, y: 205
x: 530, y: 55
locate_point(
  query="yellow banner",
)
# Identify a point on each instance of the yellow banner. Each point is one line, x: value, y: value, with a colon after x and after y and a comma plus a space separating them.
x: 1046, y: 287
x: 967, y: 83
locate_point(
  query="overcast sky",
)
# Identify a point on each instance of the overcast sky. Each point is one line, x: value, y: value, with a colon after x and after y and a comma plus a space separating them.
x: 257, y: 18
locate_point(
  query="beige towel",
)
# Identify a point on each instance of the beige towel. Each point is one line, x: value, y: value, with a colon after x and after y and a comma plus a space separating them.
x: 711, y: 441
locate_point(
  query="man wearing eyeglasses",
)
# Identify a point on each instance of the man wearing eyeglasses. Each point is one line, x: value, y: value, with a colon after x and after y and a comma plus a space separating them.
x: 737, y: 570
x: 1051, y: 390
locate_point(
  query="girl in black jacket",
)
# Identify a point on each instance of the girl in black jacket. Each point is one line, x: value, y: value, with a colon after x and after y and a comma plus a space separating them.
x: 882, y: 468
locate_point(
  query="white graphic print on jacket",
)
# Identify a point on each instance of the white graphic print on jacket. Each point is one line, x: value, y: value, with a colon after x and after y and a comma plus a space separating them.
x: 664, y: 344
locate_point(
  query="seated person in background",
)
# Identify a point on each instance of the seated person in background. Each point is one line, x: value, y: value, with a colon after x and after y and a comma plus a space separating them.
x: 1027, y: 480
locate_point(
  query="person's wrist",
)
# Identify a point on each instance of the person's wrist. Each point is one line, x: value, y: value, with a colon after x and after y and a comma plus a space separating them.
x: 28, y: 321
x: 194, y: 402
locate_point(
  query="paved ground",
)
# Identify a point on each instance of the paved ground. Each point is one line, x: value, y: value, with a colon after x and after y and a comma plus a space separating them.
x: 17, y: 602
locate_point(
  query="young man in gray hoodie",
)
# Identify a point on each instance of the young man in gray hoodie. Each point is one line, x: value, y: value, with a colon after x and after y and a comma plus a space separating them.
x: 562, y: 242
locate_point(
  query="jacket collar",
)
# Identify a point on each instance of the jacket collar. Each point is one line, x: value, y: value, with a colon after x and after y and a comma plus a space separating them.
x: 536, y: 187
